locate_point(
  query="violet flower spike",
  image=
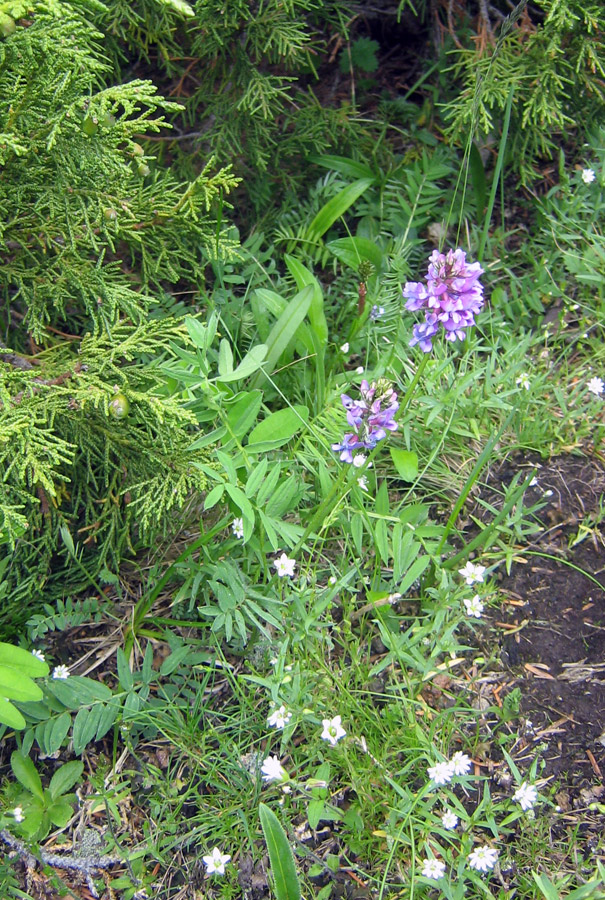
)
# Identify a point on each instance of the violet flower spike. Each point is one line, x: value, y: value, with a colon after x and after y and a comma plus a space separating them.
x: 451, y: 298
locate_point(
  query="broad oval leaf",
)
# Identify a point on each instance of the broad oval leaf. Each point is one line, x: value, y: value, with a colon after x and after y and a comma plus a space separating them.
x: 23, y: 660
x: 16, y: 685
x: 26, y: 774
x: 406, y: 463
x: 280, y: 426
x: 10, y: 715
x: 65, y: 778
x: 353, y: 250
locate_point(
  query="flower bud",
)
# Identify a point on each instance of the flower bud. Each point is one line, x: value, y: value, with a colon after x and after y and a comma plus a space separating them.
x: 119, y: 406
x: 90, y: 125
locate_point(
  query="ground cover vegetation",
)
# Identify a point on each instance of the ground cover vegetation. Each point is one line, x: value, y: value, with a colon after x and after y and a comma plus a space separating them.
x: 301, y: 441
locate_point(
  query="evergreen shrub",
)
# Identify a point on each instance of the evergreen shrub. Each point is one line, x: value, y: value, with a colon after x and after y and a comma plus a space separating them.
x: 93, y: 451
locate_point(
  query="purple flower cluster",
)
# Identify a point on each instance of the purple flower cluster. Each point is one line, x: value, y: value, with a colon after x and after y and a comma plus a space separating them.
x: 451, y: 297
x: 371, y: 416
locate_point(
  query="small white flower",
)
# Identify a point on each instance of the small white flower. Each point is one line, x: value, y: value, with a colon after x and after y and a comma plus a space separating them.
x: 483, y: 858
x: 523, y: 381
x: 363, y: 483
x: 332, y: 730
x: 359, y: 370
x: 588, y: 176
x: 548, y: 493
x: 433, y: 868
x: 596, y: 386
x: 359, y: 459
x: 332, y: 579
x: 272, y: 770
x: 39, y: 655
x: 460, y: 763
x: 237, y: 527
x: 216, y: 862
x: 345, y: 347
x: 376, y: 312
x: 61, y: 672
x: 18, y: 814
x: 284, y: 566
x: 449, y: 819
x: 279, y: 718
x: 474, y: 606
x: 472, y: 572
x: 534, y: 481
x: 441, y: 773
x: 526, y: 796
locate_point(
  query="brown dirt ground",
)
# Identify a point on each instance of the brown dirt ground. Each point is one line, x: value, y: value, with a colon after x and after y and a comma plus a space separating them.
x: 552, y: 625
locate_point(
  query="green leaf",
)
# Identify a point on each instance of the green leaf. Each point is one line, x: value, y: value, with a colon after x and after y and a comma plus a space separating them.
x: 406, y: 463
x: 352, y: 250
x: 283, y: 869
x: 124, y: 674
x: 478, y: 179
x: 546, y: 886
x: 349, y: 167
x: 242, y: 502
x: 304, y: 277
x: 60, y: 813
x: 56, y: 734
x: 284, y: 330
x: 251, y: 362
x: 413, y: 573
x: 197, y: 332
x: 26, y: 774
x: 225, y: 358
x: 17, y: 686
x: 214, y: 496
x: 336, y: 207
x: 85, y: 727
x: 77, y: 691
x: 22, y: 660
x: 65, y: 778
x: 10, y: 715
x: 242, y: 411
x: 279, y: 427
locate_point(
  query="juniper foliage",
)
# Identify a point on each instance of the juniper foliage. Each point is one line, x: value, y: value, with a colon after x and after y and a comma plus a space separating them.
x: 92, y: 233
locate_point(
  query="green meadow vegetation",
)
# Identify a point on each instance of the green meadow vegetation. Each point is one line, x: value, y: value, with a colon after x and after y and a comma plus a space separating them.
x: 284, y: 283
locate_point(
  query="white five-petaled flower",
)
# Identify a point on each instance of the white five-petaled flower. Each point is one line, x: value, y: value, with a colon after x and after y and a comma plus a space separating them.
x: 523, y: 381
x: 284, y: 566
x: 332, y: 730
x: 345, y: 347
x: 61, y: 672
x: 534, y: 482
x: 359, y: 370
x: 359, y: 459
x: 588, y: 176
x: 39, y: 655
x: 474, y: 606
x: 215, y: 863
x: 449, y: 819
x: 237, y: 527
x: 472, y: 572
x: 433, y: 868
x: 596, y: 386
x: 362, y: 481
x: 18, y: 814
x: 483, y: 858
x: 441, y: 772
x: 460, y: 763
x: 279, y: 718
x: 272, y: 770
x: 332, y: 579
x: 526, y: 795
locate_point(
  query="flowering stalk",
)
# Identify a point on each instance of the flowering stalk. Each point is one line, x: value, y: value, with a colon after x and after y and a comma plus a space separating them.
x: 451, y: 298
x: 371, y: 417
